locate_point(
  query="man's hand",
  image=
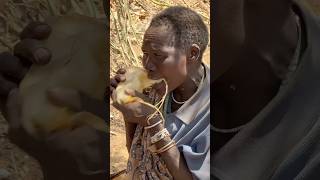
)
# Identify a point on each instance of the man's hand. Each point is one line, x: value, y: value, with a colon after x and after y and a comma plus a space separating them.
x: 77, y: 101
x: 76, y: 154
x: 29, y: 50
x: 135, y: 112
x: 13, y: 68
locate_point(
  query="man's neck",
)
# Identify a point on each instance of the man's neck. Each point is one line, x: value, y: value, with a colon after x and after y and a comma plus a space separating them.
x: 187, y: 89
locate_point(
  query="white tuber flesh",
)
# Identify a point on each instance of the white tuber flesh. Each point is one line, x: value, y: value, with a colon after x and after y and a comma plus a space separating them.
x: 136, y: 79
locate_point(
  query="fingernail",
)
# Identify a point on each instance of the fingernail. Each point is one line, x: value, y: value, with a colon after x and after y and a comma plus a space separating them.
x: 42, y: 56
x: 42, y: 31
x: 122, y: 71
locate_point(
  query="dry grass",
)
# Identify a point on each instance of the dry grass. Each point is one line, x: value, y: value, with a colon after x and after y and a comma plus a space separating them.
x: 15, y: 14
x: 314, y: 5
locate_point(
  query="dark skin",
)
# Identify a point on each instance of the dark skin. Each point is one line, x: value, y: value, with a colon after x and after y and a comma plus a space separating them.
x: 58, y: 154
x: 262, y: 34
x: 28, y: 51
x: 160, y: 60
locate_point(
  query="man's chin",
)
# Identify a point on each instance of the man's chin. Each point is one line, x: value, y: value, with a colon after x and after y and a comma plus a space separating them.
x: 160, y: 87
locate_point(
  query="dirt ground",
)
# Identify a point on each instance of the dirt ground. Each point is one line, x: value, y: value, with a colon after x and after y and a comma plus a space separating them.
x: 17, y: 163
x: 118, y: 149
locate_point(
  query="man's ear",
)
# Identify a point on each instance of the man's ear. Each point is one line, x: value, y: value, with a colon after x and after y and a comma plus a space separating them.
x: 194, y: 53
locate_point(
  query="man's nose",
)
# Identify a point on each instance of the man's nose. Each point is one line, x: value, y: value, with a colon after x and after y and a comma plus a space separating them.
x: 149, y: 65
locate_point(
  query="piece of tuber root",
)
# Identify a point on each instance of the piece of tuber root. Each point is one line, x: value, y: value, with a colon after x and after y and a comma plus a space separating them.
x: 78, y: 46
x: 137, y: 79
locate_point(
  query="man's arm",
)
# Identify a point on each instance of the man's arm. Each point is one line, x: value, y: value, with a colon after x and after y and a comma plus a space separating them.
x: 130, y: 129
x: 173, y: 158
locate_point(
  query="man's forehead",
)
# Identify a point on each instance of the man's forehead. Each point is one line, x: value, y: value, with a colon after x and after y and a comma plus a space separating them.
x: 157, y: 45
x: 156, y: 40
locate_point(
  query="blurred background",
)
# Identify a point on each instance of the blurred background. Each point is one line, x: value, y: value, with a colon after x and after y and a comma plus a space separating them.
x: 14, y: 16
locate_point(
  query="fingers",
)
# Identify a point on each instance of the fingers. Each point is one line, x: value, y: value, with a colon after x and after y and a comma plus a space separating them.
x: 114, y: 96
x: 6, y: 86
x: 13, y: 109
x: 116, y: 80
x: 33, y: 51
x: 11, y: 72
x: 114, y: 83
x: 11, y: 66
x: 113, y: 86
x: 65, y: 97
x: 121, y: 71
x: 119, y: 77
x: 111, y: 91
x: 36, y: 30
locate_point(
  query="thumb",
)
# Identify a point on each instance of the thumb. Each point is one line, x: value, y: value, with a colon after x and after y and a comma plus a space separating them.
x: 137, y: 94
x: 36, y: 30
x: 13, y: 109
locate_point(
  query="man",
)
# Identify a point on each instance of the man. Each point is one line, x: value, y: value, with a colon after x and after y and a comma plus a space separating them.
x: 266, y: 94
x: 173, y: 47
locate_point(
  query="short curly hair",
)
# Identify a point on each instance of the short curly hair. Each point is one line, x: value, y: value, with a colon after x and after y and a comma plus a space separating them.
x: 187, y: 26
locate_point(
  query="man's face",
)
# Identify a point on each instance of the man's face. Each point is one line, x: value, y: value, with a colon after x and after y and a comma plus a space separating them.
x: 162, y: 60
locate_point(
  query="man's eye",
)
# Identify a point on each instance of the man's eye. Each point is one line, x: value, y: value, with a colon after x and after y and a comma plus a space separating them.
x: 156, y: 54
